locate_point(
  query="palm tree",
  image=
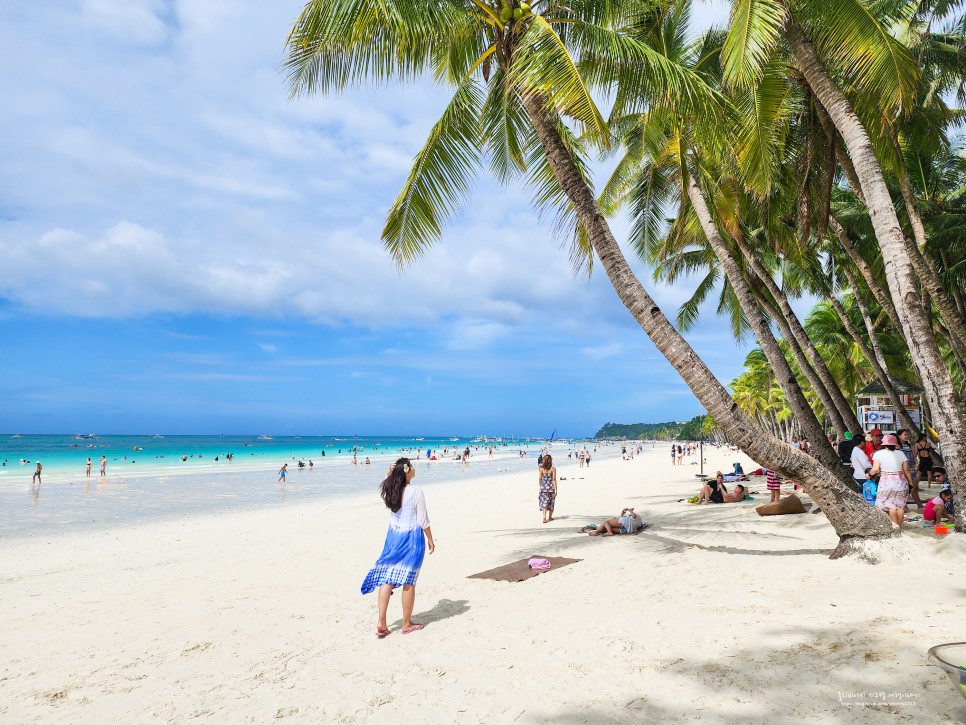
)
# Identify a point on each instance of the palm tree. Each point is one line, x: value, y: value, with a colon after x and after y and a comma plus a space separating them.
x: 825, y: 325
x: 529, y: 65
x: 665, y: 154
x: 851, y: 40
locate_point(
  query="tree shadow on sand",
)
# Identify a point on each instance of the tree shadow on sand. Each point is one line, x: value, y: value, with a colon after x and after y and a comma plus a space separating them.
x: 869, y: 675
x: 662, y: 534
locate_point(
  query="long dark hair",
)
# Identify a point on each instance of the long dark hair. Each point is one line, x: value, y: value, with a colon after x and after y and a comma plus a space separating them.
x: 395, y: 483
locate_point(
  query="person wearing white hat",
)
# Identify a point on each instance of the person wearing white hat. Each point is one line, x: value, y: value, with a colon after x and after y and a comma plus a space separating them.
x: 895, y: 479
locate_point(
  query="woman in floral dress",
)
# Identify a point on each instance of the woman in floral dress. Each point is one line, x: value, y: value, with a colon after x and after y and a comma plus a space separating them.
x: 548, y: 487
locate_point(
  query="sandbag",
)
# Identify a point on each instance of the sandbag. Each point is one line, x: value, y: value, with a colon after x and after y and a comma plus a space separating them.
x: 791, y: 504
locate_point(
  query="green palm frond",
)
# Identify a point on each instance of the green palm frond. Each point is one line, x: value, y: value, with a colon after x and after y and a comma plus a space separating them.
x: 762, y: 112
x: 466, y: 49
x: 544, y: 66
x: 753, y: 33
x: 440, y: 178
x: 675, y: 32
x: 707, y: 55
x: 505, y: 127
x: 622, y: 178
x: 645, y: 140
x: 552, y: 202
x: 855, y: 38
x: 689, y: 312
x: 671, y: 266
x: 642, y: 76
x: 652, y: 195
x: 730, y: 307
x: 337, y: 43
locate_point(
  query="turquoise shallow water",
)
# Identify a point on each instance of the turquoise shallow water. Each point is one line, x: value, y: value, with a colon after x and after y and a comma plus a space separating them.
x: 153, y: 482
x: 65, y: 456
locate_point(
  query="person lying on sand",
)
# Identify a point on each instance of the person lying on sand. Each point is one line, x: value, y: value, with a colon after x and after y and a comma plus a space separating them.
x: 737, y: 495
x: 715, y: 491
x: 627, y: 523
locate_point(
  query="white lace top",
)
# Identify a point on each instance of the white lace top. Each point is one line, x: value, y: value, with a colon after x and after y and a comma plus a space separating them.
x: 412, y: 514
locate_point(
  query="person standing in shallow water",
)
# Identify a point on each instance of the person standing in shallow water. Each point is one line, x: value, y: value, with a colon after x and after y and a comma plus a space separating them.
x: 402, y: 555
x: 547, y: 480
x: 87, y: 473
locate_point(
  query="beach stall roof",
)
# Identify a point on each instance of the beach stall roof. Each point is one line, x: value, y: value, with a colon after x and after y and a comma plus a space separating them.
x: 901, y: 386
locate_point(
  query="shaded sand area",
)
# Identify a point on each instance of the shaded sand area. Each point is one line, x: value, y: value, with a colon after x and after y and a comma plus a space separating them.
x: 713, y: 615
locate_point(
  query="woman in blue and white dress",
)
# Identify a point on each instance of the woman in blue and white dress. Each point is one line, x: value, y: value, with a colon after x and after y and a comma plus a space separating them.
x: 402, y: 555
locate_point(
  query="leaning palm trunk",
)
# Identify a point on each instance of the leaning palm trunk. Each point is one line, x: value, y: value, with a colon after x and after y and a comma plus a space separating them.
x: 874, y: 356
x: 845, y: 418
x: 957, y: 292
x: 942, y: 395
x: 783, y: 371
x: 799, y: 354
x: 929, y: 275
x: 853, y: 519
x: 866, y: 318
x: 881, y: 295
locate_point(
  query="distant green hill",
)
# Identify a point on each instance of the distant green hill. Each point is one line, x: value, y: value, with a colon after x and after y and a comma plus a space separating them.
x: 670, y: 431
x: 637, y: 431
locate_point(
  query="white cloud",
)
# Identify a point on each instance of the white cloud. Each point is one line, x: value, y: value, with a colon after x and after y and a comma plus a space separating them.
x: 603, y: 351
x: 131, y: 21
x: 164, y: 169
x: 473, y: 334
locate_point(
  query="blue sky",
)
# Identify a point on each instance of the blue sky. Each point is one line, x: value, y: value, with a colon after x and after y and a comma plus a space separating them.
x: 185, y: 250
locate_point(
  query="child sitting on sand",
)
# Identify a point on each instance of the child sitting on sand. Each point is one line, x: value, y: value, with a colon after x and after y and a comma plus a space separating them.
x: 627, y: 523
x: 939, y: 508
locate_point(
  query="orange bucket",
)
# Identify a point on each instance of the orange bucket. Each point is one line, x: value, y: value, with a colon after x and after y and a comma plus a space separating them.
x: 941, y: 529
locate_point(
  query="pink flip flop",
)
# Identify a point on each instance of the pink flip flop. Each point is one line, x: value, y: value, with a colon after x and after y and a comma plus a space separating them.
x: 382, y: 633
x: 414, y: 628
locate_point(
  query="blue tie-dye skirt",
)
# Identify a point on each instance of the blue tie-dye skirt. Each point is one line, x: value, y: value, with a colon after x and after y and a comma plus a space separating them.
x: 400, y: 561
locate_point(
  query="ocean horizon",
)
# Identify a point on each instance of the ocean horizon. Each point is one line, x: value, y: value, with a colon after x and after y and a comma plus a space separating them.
x: 150, y: 477
x: 65, y: 455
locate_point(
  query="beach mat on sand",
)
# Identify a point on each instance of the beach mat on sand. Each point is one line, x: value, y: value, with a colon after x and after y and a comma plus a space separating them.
x: 518, y: 570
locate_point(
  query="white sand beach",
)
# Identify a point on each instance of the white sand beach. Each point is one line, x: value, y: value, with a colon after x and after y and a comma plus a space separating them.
x: 712, y: 615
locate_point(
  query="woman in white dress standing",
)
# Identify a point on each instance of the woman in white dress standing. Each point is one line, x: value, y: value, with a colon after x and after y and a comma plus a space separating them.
x: 402, y: 555
x: 894, y: 481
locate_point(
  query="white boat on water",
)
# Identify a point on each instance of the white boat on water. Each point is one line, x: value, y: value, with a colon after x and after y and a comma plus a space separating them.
x: 266, y: 438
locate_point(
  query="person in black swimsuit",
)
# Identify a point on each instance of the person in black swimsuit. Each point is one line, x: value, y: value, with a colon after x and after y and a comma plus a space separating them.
x: 923, y: 450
